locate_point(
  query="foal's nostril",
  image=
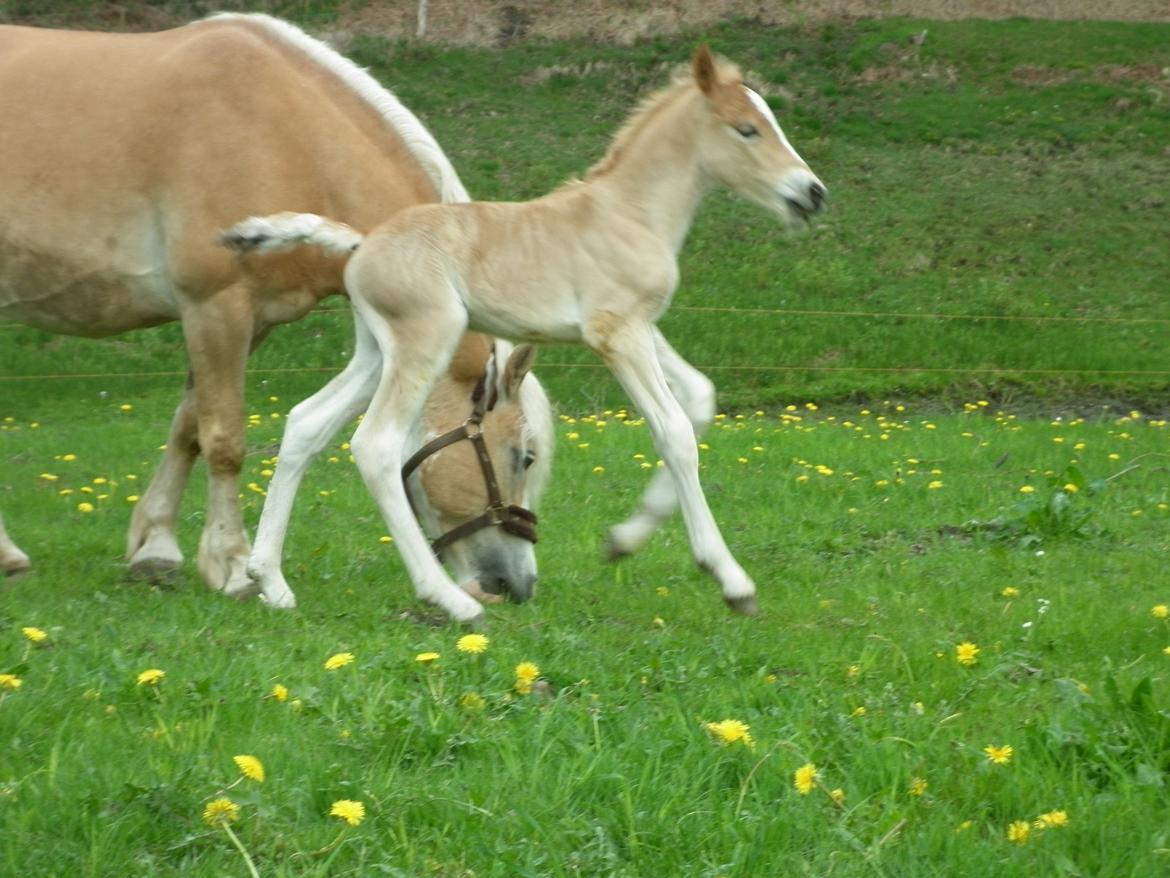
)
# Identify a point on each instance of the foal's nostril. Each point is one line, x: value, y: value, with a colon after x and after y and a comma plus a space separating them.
x: 816, y: 194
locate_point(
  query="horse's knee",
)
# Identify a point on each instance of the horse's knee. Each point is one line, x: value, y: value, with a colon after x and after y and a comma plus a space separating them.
x: 223, y: 450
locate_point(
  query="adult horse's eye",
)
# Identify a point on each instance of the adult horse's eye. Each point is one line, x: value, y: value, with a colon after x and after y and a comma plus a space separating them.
x: 746, y: 131
x: 529, y: 459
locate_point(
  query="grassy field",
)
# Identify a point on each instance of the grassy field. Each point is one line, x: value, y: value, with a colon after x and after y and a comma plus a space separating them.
x: 882, y: 539
x: 898, y: 513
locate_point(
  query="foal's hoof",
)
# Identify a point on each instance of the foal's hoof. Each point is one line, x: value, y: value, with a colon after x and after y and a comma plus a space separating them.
x: 747, y: 605
x: 614, y: 549
x: 16, y: 568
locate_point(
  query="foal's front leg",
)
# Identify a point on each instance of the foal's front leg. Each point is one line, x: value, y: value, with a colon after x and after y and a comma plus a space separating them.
x: 629, y: 352
x: 696, y: 394
x: 310, y: 426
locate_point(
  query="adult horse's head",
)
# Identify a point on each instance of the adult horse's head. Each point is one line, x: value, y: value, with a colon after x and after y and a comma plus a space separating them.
x: 491, y: 426
x: 742, y: 146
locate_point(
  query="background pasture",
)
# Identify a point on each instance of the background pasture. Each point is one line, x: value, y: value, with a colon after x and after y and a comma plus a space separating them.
x: 900, y: 471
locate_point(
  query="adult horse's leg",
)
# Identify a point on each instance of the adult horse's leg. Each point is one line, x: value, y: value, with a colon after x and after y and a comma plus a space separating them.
x: 152, y: 545
x: 629, y: 351
x: 218, y: 333
x: 696, y: 394
x: 310, y: 426
x: 12, y: 560
x: 415, y: 351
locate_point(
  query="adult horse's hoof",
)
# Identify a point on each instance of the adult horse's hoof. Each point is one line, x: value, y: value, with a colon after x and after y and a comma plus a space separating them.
x: 155, y: 570
x: 746, y: 605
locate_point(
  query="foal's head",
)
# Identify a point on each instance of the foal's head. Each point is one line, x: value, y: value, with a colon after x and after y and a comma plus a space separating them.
x: 741, y: 145
x: 518, y: 433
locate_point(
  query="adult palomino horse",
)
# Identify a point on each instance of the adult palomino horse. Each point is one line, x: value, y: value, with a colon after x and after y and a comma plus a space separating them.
x: 123, y: 156
x: 594, y: 262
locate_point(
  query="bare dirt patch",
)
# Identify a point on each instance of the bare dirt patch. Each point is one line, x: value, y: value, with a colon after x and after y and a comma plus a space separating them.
x: 487, y: 23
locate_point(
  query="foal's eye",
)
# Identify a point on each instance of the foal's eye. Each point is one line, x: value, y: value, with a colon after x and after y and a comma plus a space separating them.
x: 529, y: 459
x: 746, y: 131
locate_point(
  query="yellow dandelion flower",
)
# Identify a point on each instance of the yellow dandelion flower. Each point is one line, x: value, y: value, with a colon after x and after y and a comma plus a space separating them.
x: 965, y: 653
x: 858, y: 711
x: 1051, y: 820
x: 805, y: 778
x: 1027, y: 489
x: 426, y: 657
x: 151, y: 677
x: 935, y: 484
x: 730, y: 731
x: 250, y: 767
x: 69, y: 457
x: 1018, y: 831
x: 348, y: 810
x: 280, y: 692
x: 385, y: 538
x: 1161, y: 611
x: 221, y: 810
x: 49, y: 477
x: 1010, y: 592
x: 918, y: 786
x: 472, y: 702
x: 36, y: 635
x: 838, y: 796
x: 662, y: 591
x: 1070, y: 488
x: 85, y: 507
x: 340, y: 660
x: 10, y: 681
x: 999, y: 755
x: 527, y: 671
x: 599, y: 469
x: 1166, y: 651
x: 472, y: 643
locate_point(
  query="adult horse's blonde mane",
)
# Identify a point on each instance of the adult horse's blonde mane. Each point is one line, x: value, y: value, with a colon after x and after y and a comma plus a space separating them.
x: 405, y: 124
x: 649, y: 107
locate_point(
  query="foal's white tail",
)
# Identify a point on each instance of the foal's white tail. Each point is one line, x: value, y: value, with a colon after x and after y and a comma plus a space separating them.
x: 282, y: 232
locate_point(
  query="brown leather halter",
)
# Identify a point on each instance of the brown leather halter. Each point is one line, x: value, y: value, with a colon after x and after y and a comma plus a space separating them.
x: 514, y: 519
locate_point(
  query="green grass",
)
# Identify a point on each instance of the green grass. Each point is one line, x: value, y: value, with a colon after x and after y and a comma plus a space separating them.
x: 869, y: 579
x: 964, y: 184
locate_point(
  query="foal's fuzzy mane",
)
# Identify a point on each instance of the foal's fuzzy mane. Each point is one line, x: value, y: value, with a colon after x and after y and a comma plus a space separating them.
x: 681, y: 80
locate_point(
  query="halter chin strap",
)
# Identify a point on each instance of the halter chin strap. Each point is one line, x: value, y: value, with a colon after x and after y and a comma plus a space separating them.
x: 516, y: 520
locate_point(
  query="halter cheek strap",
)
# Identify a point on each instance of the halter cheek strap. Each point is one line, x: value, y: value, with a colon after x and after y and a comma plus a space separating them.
x: 516, y: 520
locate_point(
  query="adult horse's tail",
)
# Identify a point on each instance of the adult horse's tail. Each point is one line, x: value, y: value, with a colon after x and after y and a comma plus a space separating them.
x: 282, y: 232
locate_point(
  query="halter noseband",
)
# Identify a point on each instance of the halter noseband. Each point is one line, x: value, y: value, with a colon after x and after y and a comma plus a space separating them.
x: 516, y: 520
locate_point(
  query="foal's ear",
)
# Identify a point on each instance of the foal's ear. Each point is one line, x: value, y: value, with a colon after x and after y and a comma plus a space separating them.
x: 519, y: 363
x: 703, y: 68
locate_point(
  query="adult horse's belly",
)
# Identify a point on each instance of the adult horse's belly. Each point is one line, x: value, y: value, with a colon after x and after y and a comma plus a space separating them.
x: 82, y: 292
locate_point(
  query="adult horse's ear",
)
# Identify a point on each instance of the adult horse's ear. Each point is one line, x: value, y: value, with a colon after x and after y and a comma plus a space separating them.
x: 519, y: 364
x: 703, y: 68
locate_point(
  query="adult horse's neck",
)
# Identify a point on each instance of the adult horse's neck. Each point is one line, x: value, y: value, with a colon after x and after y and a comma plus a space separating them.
x: 652, y: 170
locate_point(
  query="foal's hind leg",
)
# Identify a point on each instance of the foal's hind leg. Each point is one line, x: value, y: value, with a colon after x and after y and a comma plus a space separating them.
x: 12, y: 560
x: 310, y: 426
x: 629, y: 351
x: 415, y: 351
x: 152, y: 546
x: 696, y: 394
